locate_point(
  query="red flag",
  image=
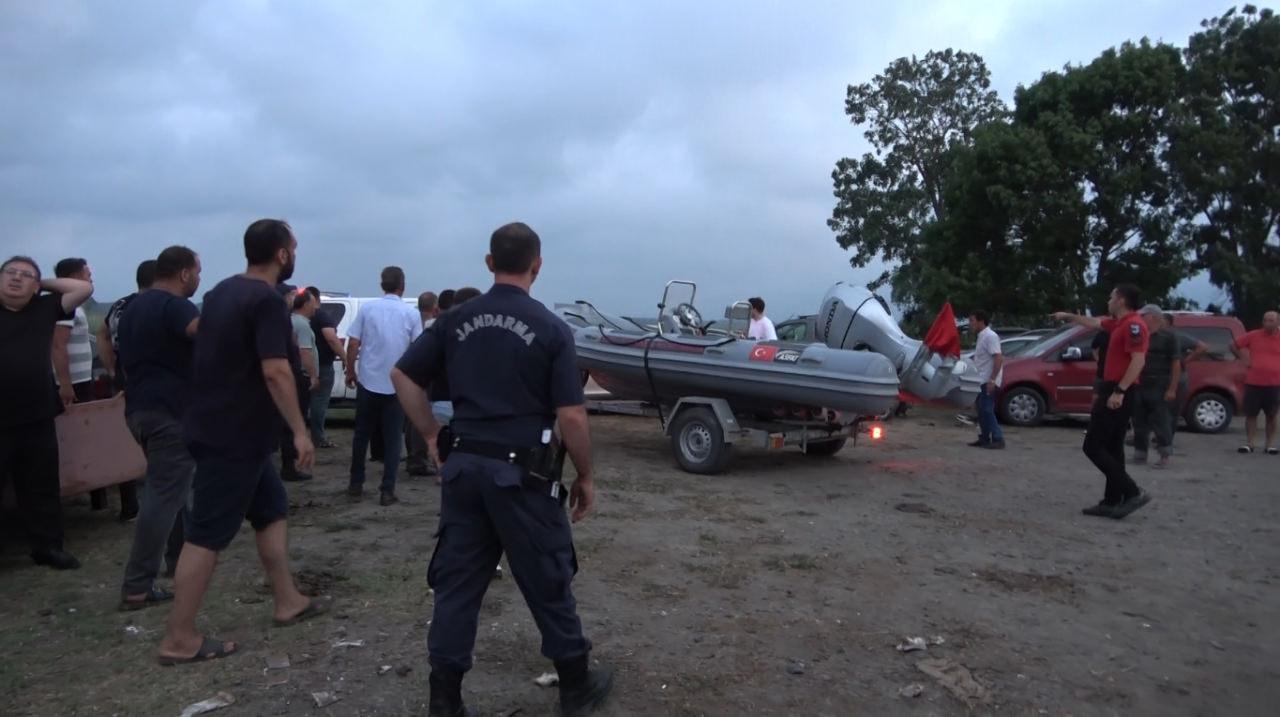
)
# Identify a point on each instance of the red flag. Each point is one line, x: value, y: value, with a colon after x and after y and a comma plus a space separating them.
x: 943, y: 337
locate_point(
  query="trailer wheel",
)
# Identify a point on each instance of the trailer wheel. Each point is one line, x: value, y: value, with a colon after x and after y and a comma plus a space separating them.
x: 824, y: 448
x: 698, y: 441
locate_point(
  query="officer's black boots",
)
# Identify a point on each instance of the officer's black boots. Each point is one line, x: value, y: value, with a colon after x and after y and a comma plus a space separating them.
x: 446, y: 695
x: 582, y: 690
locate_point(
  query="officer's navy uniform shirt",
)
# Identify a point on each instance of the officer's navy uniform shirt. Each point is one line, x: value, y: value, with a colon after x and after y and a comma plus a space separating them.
x: 510, y: 364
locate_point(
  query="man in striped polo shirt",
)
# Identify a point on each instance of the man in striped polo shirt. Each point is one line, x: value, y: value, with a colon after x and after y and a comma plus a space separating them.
x: 73, y: 369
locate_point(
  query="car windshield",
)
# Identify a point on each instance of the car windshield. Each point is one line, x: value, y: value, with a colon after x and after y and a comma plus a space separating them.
x: 1038, y: 347
x: 1016, y: 347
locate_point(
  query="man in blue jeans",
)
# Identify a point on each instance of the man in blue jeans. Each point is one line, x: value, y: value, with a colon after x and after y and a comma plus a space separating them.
x: 379, y: 336
x: 989, y: 361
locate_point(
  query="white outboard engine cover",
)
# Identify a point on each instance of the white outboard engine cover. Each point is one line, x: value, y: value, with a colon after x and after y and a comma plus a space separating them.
x: 852, y: 318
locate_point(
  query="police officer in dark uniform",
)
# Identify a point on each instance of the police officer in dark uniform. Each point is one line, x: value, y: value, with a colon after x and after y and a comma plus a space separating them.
x: 513, y: 377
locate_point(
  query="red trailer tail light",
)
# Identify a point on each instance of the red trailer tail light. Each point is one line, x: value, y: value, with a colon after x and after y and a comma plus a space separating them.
x: 877, y: 432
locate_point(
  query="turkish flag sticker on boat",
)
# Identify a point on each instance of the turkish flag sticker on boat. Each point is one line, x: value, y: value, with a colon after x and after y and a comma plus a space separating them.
x: 764, y: 353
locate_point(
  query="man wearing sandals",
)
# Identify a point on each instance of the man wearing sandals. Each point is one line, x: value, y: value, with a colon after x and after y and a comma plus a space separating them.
x: 1260, y: 349
x: 241, y: 386
x: 155, y: 338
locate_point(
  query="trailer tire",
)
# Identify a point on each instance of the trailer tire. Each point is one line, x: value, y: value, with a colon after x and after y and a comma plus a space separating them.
x: 698, y: 441
x: 826, y: 448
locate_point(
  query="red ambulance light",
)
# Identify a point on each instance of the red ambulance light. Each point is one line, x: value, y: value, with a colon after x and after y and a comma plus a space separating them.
x: 877, y: 432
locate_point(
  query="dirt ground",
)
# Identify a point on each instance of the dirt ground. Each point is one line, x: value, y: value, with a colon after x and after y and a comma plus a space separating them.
x: 781, y: 587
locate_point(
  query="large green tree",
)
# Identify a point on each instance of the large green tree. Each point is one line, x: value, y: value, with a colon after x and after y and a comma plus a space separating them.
x: 1106, y: 125
x: 1011, y: 241
x: 915, y: 113
x: 1225, y: 152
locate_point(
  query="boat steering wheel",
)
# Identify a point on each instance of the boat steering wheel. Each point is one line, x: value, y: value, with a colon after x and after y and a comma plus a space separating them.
x: 688, y: 317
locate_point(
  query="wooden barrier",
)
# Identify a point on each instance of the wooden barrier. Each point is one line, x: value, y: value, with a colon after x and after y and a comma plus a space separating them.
x: 95, y: 448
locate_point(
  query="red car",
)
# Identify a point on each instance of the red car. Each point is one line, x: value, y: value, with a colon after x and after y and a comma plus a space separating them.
x: 1055, y: 376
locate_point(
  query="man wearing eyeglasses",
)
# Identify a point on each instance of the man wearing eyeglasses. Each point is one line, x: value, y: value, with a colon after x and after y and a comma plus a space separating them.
x: 28, y: 439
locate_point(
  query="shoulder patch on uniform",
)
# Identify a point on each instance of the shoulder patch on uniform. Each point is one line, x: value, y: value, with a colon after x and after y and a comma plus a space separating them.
x: 1135, y: 330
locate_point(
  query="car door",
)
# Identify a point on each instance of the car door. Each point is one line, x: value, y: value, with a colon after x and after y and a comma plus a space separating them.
x: 1072, y: 379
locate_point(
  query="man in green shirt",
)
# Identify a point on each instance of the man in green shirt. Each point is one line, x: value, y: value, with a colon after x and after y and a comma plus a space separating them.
x: 304, y: 309
x: 1157, y: 389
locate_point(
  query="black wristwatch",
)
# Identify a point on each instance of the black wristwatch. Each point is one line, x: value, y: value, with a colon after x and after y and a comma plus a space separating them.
x: 1118, y: 390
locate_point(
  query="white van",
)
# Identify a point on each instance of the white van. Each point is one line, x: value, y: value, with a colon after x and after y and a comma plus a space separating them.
x: 343, y: 309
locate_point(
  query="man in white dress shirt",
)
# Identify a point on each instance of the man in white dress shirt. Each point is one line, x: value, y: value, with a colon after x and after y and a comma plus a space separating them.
x: 989, y: 361
x: 379, y: 336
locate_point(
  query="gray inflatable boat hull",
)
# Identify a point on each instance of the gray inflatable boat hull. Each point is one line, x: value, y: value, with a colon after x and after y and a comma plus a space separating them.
x: 753, y: 376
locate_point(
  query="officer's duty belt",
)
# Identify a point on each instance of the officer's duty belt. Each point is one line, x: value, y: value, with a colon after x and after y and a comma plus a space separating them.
x: 530, y: 459
x: 522, y: 457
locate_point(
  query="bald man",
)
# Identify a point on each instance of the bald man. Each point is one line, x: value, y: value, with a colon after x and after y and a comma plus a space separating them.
x: 1260, y: 349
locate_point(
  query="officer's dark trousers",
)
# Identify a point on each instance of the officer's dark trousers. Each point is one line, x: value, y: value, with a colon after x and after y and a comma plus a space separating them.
x: 479, y: 520
x: 377, y: 409
x: 29, y: 457
x: 1104, y: 443
x: 1152, y: 414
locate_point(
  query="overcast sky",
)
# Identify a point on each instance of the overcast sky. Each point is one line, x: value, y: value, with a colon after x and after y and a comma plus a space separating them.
x: 644, y: 141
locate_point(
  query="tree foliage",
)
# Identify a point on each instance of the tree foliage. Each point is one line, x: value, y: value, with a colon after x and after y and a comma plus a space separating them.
x: 1225, y: 149
x: 915, y: 112
x: 1145, y: 165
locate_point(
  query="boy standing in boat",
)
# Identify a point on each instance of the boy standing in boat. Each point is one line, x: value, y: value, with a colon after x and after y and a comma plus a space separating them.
x: 761, y: 327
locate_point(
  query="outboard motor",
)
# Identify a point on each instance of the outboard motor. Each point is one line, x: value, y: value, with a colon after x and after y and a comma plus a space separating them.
x: 853, y: 318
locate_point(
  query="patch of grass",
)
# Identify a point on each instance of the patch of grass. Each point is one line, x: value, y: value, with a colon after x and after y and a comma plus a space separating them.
x: 795, y: 561
x: 339, y: 526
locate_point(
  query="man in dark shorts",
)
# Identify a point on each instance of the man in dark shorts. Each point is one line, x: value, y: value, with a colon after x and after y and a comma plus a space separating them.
x: 156, y: 336
x: 241, y: 386
x: 28, y: 438
x: 1260, y: 348
x: 1113, y: 404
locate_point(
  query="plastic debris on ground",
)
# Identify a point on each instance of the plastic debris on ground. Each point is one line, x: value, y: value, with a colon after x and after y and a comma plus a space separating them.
x: 795, y: 667
x: 547, y: 679
x: 914, y: 690
x: 913, y: 644
x: 133, y: 630
x: 324, y: 699
x: 956, y: 679
x: 217, y: 702
x: 384, y: 669
x: 277, y: 662
x: 348, y: 643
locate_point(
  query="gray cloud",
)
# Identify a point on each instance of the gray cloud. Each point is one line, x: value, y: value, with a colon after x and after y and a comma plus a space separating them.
x: 643, y: 141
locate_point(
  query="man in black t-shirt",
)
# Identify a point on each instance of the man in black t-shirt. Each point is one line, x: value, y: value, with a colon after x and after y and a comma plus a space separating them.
x: 328, y: 349
x: 1099, y: 346
x: 109, y: 330
x: 156, y: 337
x: 241, y: 386
x: 28, y: 437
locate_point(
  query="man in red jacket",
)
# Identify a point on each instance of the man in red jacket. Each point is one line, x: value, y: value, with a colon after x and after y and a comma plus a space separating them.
x: 1113, y: 403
